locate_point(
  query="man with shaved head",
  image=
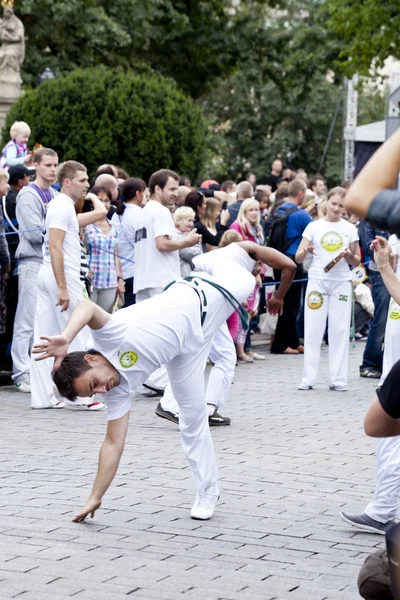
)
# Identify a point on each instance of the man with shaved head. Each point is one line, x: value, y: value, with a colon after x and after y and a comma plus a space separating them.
x: 109, y: 183
x: 107, y: 169
x: 244, y: 190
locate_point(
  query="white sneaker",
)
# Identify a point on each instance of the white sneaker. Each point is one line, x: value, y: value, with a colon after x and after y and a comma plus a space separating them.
x: 23, y: 386
x: 257, y: 356
x: 203, y: 507
x: 338, y: 388
x: 304, y: 386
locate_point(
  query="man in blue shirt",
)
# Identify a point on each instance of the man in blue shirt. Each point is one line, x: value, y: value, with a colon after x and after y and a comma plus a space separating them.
x: 286, y: 340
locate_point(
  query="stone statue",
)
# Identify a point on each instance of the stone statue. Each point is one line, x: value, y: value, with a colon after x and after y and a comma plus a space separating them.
x: 12, y: 49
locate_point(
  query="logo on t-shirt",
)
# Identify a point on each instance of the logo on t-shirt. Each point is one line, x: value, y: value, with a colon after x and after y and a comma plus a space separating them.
x: 343, y: 297
x: 394, y: 310
x: 331, y: 241
x: 127, y: 359
x: 315, y: 300
x: 141, y: 234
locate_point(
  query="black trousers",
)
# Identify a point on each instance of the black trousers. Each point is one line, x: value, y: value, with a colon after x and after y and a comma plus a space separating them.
x: 286, y: 329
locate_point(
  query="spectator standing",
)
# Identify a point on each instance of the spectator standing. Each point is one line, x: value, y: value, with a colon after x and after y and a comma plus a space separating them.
x: 197, y: 202
x: 109, y: 183
x: 286, y: 340
x: 183, y: 191
x: 157, y: 249
x: 329, y: 294
x: 317, y: 185
x: 104, y: 263
x: 184, y: 220
x: 248, y: 222
x: 59, y: 285
x: 371, y: 366
x: 18, y: 178
x: 127, y: 220
x: 15, y: 152
x: 5, y: 264
x: 275, y: 175
x: 252, y: 178
x: 244, y: 190
x: 32, y: 202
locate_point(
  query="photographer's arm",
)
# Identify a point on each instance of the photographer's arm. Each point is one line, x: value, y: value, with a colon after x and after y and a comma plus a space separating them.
x: 99, y: 212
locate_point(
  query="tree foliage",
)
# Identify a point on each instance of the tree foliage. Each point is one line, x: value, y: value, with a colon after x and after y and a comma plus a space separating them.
x: 368, y: 30
x: 138, y: 122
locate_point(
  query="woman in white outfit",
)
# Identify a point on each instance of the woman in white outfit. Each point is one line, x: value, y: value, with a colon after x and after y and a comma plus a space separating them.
x: 328, y: 294
x: 391, y: 352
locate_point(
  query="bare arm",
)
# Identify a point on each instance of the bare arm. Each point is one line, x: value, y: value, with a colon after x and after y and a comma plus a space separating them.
x: 164, y: 244
x: 276, y: 260
x: 56, y: 239
x: 378, y: 423
x: 99, y: 212
x: 305, y: 248
x: 382, y: 252
x: 110, y: 455
x: 84, y: 313
x: 379, y: 173
x: 354, y: 255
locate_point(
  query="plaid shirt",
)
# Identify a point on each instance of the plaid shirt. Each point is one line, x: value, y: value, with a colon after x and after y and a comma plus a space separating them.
x: 101, y: 256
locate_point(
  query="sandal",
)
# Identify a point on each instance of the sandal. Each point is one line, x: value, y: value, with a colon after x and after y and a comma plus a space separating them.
x: 290, y: 351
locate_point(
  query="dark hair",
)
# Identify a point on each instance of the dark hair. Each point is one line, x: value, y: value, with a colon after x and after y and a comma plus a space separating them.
x: 97, y: 189
x: 194, y: 200
x: 226, y: 185
x: 129, y: 189
x: 183, y: 180
x: 122, y: 174
x: 261, y: 195
x: 160, y: 178
x: 73, y: 366
x: 281, y: 194
x: 41, y: 153
x: 68, y: 170
x: 314, y: 179
x: 105, y: 169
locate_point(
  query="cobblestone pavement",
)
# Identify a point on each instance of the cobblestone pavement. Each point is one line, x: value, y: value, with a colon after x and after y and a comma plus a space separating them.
x: 288, y: 464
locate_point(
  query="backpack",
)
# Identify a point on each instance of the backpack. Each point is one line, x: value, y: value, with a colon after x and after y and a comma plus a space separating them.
x: 275, y: 229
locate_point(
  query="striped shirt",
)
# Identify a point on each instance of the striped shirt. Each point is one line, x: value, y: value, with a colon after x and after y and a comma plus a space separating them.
x: 102, y: 256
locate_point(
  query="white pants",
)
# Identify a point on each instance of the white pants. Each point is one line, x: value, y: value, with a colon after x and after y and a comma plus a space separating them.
x: 186, y: 374
x: 383, y: 506
x: 49, y: 320
x: 223, y: 355
x: 158, y: 379
x: 332, y: 300
x: 24, y: 320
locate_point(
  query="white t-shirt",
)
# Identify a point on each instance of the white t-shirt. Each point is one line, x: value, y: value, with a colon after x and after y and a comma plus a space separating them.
x: 330, y: 239
x: 138, y: 339
x: 154, y: 268
x: 127, y: 224
x: 394, y: 243
x: 208, y: 262
x: 61, y: 215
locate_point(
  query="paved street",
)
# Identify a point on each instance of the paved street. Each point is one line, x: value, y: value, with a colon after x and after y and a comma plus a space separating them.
x: 288, y: 464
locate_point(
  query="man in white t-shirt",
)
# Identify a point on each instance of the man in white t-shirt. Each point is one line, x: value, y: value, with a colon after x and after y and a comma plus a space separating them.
x: 175, y: 328
x: 157, y: 249
x: 59, y: 285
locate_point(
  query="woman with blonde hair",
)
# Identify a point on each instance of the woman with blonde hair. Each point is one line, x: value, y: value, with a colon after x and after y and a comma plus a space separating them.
x: 248, y: 222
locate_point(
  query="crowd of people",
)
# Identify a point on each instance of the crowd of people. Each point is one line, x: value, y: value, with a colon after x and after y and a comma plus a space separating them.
x: 123, y: 244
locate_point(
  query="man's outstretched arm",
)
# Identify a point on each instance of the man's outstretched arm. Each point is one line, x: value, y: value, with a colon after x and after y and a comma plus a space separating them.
x: 278, y: 261
x: 84, y: 313
x: 110, y: 455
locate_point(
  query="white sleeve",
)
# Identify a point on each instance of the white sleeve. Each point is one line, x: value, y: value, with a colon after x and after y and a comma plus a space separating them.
x: 308, y: 232
x: 117, y: 405
x: 163, y: 224
x: 58, y: 216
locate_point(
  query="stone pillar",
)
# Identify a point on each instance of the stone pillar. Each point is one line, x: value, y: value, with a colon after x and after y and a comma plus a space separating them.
x: 9, y: 93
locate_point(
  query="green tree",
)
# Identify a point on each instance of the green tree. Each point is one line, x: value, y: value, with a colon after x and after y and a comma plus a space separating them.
x: 368, y: 30
x: 141, y: 123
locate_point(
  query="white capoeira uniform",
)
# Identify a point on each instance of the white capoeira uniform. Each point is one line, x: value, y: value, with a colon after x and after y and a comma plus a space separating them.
x: 384, y: 503
x: 167, y: 330
x: 328, y: 296
x: 49, y: 320
x: 223, y: 356
x: 154, y: 269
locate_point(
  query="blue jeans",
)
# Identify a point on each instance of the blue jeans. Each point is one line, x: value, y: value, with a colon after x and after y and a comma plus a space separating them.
x: 373, y: 354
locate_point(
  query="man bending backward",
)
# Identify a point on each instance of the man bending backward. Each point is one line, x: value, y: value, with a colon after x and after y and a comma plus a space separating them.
x: 176, y: 329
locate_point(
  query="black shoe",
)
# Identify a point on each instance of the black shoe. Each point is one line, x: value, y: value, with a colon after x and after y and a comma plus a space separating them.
x: 215, y: 420
x: 166, y: 414
x: 370, y: 373
x: 157, y: 391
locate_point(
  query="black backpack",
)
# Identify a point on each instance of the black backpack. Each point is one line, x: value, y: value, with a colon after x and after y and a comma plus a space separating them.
x: 275, y: 229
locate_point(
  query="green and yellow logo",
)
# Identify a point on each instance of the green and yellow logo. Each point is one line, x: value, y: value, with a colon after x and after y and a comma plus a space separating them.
x: 394, y: 310
x: 332, y: 241
x: 128, y: 359
x: 315, y: 300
